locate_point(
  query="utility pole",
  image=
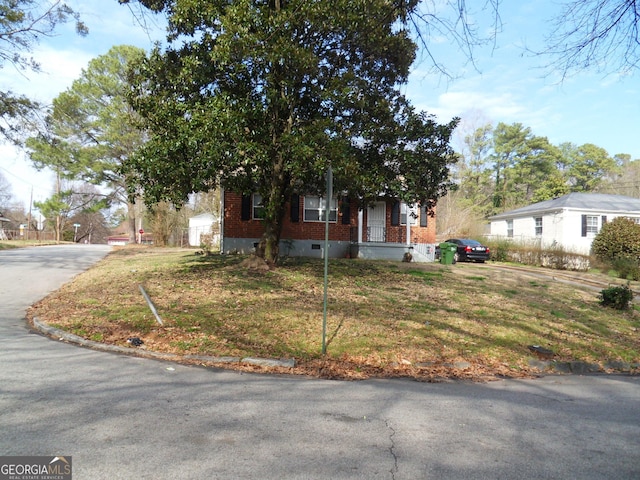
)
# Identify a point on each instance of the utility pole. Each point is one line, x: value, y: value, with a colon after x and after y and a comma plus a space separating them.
x: 29, y: 219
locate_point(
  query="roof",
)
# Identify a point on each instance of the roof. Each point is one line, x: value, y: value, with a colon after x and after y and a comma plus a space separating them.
x: 599, y: 202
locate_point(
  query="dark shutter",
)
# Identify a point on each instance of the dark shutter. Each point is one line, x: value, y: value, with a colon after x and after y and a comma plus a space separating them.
x: 246, y: 207
x: 584, y: 225
x: 395, y: 214
x: 295, y: 208
x: 345, y: 207
x: 423, y: 216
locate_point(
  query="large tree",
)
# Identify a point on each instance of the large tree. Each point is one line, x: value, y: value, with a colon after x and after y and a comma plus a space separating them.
x: 523, y: 163
x: 263, y: 96
x: 22, y: 24
x: 91, y: 128
x: 587, y: 166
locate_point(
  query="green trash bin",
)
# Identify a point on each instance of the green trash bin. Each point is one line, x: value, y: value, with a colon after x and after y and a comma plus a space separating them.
x: 447, y: 253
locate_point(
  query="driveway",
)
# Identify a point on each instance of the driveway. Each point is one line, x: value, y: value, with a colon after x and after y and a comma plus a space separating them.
x: 123, y: 417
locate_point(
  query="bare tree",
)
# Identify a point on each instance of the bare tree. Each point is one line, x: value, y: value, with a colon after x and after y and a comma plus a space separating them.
x: 598, y: 34
x: 5, y: 192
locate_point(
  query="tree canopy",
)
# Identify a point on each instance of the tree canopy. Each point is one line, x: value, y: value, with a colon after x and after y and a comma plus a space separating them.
x: 504, y: 167
x: 91, y: 128
x: 262, y: 96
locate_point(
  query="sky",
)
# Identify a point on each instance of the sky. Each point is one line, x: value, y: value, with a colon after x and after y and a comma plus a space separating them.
x: 505, y: 84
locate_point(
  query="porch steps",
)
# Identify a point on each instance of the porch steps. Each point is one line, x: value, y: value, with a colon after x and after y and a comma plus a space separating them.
x: 423, y: 253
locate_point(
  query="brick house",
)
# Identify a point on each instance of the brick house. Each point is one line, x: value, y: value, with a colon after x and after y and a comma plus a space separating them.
x: 379, y: 231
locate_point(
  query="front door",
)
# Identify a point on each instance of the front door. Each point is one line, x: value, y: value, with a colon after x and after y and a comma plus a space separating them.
x: 376, y: 222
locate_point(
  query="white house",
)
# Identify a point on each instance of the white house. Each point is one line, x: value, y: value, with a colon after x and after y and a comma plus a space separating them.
x: 570, y: 221
x: 202, y: 224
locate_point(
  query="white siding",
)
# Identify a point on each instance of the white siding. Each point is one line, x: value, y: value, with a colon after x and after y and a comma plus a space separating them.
x: 562, y: 228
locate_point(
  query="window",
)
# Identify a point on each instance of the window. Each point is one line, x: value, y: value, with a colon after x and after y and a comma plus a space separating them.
x: 257, y: 208
x: 315, y: 209
x: 592, y: 226
x: 538, y: 221
x: 510, y: 228
x: 413, y: 214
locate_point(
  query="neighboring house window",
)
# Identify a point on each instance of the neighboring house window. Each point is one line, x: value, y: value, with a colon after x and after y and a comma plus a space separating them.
x: 592, y: 226
x: 538, y: 226
x: 257, y: 207
x: 315, y: 209
x: 510, y: 228
x: 403, y: 215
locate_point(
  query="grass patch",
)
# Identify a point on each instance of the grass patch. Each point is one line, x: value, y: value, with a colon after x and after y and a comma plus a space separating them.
x: 380, y: 314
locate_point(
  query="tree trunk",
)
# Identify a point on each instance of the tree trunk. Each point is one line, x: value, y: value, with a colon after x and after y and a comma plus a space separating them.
x: 269, y: 245
x: 274, y: 211
x: 131, y: 222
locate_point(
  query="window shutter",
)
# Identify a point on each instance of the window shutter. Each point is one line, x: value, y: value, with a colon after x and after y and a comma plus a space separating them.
x: 245, y: 209
x: 584, y: 225
x: 423, y: 216
x: 295, y: 208
x: 395, y: 214
x: 345, y: 206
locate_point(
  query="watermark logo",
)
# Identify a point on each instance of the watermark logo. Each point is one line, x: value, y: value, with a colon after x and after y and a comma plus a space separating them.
x: 35, y: 468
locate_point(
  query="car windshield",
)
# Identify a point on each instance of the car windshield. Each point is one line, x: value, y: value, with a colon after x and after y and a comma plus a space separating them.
x: 472, y: 243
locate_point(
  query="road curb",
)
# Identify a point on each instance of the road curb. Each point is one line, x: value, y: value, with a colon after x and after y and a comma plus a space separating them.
x: 543, y: 366
x: 61, y: 335
x: 582, y: 368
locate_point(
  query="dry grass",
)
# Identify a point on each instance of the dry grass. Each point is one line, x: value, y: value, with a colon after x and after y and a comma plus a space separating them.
x: 383, y: 318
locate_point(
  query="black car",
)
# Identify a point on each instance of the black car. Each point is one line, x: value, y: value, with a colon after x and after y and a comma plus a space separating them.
x: 468, y: 250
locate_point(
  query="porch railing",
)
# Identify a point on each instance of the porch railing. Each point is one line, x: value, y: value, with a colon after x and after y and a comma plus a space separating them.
x: 379, y: 234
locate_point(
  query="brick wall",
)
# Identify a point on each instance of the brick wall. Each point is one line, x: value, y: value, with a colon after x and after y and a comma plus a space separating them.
x: 235, y: 227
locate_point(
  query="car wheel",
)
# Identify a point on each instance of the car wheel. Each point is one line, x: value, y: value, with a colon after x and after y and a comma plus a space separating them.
x: 456, y: 257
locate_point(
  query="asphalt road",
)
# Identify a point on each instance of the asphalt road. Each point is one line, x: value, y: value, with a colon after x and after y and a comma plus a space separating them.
x: 123, y: 417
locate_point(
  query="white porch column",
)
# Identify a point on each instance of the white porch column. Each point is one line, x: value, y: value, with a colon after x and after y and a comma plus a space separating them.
x: 360, y: 222
x: 408, y: 226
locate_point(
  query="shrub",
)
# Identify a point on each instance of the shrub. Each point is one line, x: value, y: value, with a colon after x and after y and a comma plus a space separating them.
x: 206, y: 243
x: 616, y: 297
x: 532, y: 253
x: 619, y: 238
x: 626, y: 267
x: 499, y: 250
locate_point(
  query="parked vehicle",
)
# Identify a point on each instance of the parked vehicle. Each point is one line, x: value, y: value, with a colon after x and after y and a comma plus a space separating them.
x: 467, y: 250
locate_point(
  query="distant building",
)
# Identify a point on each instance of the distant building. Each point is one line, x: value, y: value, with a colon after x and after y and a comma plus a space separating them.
x: 204, y: 224
x: 571, y: 221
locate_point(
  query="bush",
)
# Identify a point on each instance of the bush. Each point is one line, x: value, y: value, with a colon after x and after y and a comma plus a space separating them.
x: 618, y: 245
x: 619, y: 238
x: 531, y: 253
x: 626, y: 267
x: 616, y: 297
x: 499, y: 250
x: 206, y: 243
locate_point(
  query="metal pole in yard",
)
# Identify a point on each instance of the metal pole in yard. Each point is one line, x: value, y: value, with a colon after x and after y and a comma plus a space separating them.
x: 326, y: 255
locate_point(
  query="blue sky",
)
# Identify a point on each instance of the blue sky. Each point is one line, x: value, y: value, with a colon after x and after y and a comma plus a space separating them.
x: 506, y: 85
